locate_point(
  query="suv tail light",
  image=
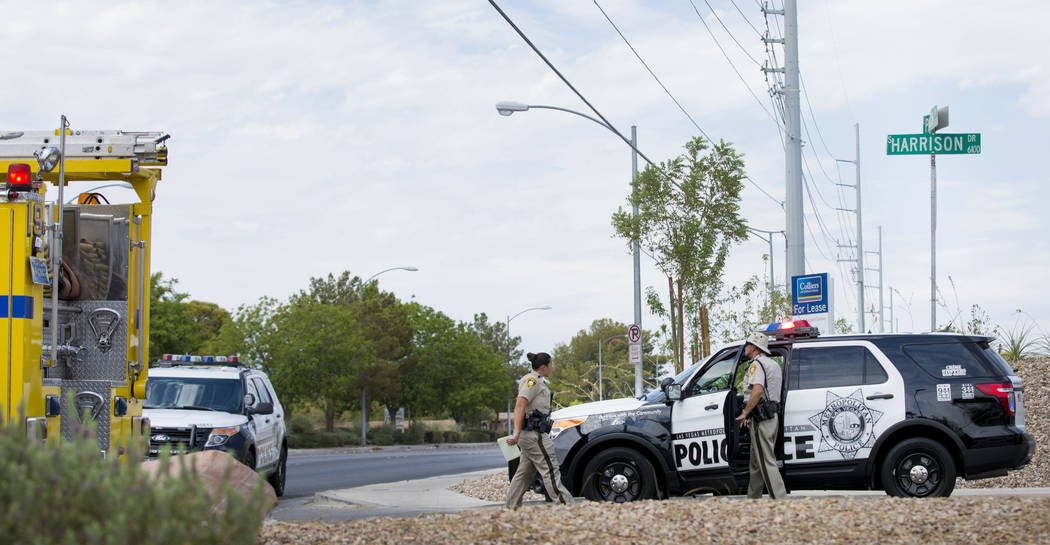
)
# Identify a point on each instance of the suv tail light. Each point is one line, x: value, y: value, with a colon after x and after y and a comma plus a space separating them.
x: 1005, y: 394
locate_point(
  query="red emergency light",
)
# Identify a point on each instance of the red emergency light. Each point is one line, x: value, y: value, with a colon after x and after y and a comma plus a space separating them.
x: 791, y: 329
x: 19, y: 176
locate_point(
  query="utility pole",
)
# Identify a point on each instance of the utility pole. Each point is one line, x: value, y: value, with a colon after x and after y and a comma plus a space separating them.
x: 882, y: 328
x: 860, y: 238
x: 793, y: 206
x: 893, y: 325
x: 860, y: 233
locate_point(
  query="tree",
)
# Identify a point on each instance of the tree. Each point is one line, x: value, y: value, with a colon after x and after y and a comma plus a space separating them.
x: 575, y: 378
x: 449, y: 369
x: 495, y: 336
x: 385, y: 324
x: 319, y: 352
x: 178, y: 325
x: 689, y: 216
x: 744, y: 309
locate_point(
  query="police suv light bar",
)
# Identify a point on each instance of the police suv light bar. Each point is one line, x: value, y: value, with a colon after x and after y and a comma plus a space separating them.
x: 791, y: 329
x: 178, y: 359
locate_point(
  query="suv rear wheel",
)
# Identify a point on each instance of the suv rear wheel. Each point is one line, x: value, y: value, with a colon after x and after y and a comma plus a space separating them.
x: 619, y: 475
x: 918, y: 468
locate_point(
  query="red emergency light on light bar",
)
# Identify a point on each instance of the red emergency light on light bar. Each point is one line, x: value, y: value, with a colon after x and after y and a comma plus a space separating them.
x: 790, y: 329
x: 19, y: 176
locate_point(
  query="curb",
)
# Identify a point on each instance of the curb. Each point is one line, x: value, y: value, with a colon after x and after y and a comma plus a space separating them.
x: 386, y: 448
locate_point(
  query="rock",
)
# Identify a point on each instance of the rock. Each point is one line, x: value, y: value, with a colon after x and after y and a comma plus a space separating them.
x: 211, y: 466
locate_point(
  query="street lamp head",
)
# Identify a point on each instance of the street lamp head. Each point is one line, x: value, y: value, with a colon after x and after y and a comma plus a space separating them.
x: 413, y: 269
x: 508, y: 107
x: 545, y: 308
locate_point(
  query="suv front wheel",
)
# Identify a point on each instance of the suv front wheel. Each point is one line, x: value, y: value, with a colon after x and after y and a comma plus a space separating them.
x: 280, y: 475
x: 918, y: 468
x: 619, y: 474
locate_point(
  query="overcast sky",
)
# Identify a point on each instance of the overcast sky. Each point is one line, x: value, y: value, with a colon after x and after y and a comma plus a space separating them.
x: 314, y: 137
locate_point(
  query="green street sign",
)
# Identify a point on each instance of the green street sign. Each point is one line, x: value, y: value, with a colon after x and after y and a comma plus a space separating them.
x: 925, y: 144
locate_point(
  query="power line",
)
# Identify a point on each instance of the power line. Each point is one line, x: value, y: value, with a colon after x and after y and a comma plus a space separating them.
x: 653, y: 74
x: 730, y: 61
x: 724, y: 27
x: 566, y: 81
x: 780, y: 202
x: 671, y: 95
x: 745, y: 18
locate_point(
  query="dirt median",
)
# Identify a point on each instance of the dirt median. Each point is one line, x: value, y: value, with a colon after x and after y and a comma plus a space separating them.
x: 851, y: 520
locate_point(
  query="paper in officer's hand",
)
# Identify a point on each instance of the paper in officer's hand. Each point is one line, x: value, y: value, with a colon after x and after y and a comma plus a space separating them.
x: 510, y: 452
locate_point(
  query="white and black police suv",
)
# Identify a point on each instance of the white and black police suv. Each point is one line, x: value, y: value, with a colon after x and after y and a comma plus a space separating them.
x: 904, y: 413
x: 217, y: 403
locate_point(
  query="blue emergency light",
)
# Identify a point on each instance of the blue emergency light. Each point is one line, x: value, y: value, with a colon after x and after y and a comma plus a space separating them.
x: 791, y: 329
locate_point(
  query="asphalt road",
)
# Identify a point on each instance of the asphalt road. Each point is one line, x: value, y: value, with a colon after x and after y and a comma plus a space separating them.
x: 311, y: 471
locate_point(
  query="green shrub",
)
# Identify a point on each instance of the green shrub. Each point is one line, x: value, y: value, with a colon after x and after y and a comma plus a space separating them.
x: 68, y: 494
x: 301, y: 423
x: 478, y: 436
x: 414, y: 434
x: 322, y: 439
x: 382, y: 435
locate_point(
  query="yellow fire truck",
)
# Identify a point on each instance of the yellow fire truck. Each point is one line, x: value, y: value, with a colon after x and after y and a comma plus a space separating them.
x: 74, y: 282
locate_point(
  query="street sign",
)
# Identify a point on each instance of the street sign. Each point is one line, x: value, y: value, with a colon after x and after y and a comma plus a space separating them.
x: 941, y: 144
x: 936, y: 120
x: 634, y: 333
x: 634, y: 347
x: 635, y: 353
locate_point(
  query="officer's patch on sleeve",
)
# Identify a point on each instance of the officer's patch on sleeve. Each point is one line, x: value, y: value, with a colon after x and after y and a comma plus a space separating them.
x: 751, y: 371
x: 530, y: 382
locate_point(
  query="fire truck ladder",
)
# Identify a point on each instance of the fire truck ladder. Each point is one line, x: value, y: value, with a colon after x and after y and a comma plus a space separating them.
x: 142, y: 148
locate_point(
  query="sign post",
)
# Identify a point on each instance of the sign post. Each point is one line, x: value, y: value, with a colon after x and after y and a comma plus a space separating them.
x: 634, y: 344
x: 929, y: 142
x: 812, y: 300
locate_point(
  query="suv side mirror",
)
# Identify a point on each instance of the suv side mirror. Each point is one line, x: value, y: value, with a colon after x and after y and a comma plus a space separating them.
x: 671, y: 390
x: 261, y: 408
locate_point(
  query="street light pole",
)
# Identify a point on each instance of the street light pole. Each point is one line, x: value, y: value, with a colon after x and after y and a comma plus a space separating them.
x: 361, y: 299
x: 507, y: 108
x: 510, y: 404
x: 769, y: 239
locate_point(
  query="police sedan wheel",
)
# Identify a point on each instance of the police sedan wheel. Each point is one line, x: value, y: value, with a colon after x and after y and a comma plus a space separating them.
x: 619, y: 475
x: 918, y: 468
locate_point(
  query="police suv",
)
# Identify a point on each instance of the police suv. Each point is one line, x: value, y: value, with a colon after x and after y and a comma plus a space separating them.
x: 217, y: 403
x: 904, y: 413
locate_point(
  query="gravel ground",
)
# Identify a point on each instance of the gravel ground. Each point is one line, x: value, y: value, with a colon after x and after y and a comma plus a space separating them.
x: 491, y: 488
x: 844, y: 520
x: 1036, y: 375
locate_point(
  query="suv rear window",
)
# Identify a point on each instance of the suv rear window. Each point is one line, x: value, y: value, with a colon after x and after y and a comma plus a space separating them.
x: 832, y: 366
x: 953, y: 360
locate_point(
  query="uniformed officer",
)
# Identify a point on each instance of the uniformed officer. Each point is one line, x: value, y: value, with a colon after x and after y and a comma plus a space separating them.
x: 763, y: 380
x: 531, y: 435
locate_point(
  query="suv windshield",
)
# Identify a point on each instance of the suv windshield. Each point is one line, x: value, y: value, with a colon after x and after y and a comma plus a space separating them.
x: 682, y: 377
x: 205, y: 394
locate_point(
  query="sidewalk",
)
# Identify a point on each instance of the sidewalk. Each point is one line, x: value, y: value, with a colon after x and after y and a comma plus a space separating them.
x: 423, y: 495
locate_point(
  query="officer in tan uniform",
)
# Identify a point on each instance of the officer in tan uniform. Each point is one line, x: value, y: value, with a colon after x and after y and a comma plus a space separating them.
x: 531, y: 427
x: 763, y: 381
